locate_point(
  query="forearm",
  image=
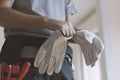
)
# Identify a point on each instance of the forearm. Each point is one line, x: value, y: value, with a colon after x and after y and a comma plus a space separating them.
x: 68, y: 18
x: 10, y: 18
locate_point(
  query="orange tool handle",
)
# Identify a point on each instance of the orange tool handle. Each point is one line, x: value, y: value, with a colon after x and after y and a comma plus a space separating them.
x: 8, y: 70
x: 24, y: 70
x: 2, y: 70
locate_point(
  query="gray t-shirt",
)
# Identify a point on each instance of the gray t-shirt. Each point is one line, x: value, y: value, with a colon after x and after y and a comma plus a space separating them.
x: 53, y: 9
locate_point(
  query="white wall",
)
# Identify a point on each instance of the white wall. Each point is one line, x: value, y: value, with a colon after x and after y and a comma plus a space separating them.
x: 110, y: 22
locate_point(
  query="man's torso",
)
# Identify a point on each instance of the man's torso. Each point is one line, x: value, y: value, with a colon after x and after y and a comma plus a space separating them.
x: 53, y: 9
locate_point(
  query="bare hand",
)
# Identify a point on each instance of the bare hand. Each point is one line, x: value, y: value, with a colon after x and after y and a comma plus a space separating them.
x: 66, y: 27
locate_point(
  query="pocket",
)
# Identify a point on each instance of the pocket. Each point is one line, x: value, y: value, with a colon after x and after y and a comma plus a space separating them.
x: 66, y: 70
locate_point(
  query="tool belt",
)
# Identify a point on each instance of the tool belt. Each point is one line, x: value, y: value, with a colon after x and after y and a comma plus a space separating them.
x: 14, y: 45
x: 17, y: 45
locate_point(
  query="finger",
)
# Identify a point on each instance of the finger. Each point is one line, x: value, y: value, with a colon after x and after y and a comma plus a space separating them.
x: 63, y: 31
x: 67, y: 29
x: 40, y: 56
x: 58, y: 65
x: 73, y: 30
x: 42, y: 67
x: 70, y: 29
x: 51, y: 66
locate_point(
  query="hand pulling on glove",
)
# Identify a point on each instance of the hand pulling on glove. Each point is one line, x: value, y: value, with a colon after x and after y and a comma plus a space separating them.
x: 51, y: 54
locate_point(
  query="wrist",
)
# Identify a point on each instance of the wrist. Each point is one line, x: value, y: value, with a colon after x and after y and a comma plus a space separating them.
x: 52, y: 24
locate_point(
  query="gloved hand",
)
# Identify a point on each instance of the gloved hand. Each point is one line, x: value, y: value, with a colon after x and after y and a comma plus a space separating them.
x: 51, y: 54
x: 90, y: 44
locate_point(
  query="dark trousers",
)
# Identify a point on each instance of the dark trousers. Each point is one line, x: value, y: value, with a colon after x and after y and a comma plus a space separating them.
x: 11, y: 52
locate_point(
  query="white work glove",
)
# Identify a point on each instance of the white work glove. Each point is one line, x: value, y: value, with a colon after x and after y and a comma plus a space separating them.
x: 90, y: 44
x: 51, y: 54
